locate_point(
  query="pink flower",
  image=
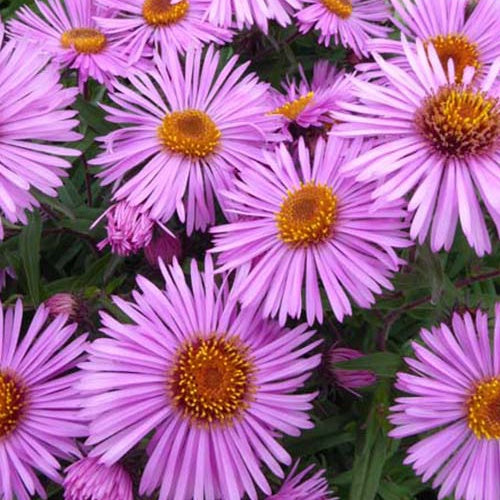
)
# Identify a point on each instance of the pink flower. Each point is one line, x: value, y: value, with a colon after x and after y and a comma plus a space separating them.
x: 38, y: 402
x: 67, y: 32
x: 439, y: 143
x: 164, y: 246
x: 138, y: 25
x: 87, y: 479
x: 307, y: 225
x: 452, y: 399
x: 350, y: 22
x: 182, y: 142
x: 348, y: 379
x: 62, y: 303
x: 214, y: 384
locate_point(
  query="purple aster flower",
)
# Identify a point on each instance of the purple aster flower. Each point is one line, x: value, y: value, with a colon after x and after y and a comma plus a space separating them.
x: 215, y: 383
x: 252, y: 12
x: 4, y: 273
x: 309, y: 104
x: 87, y: 479
x: 453, y: 396
x: 33, y: 119
x: 39, y: 416
x: 348, y: 379
x: 138, y: 25
x: 309, y: 224
x: 350, y: 22
x: 439, y: 140
x: 468, y: 41
x: 68, y: 32
x: 186, y: 129
x: 163, y: 246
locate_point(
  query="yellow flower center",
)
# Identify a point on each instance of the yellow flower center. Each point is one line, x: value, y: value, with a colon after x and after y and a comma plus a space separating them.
x: 292, y: 109
x: 190, y: 132
x: 460, y: 121
x: 211, y: 380
x: 12, y: 396
x: 341, y: 8
x: 458, y: 48
x: 307, y: 215
x: 163, y: 12
x: 84, y: 40
x: 484, y: 410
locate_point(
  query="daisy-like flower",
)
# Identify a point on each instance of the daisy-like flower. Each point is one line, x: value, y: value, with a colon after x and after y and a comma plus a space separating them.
x: 68, y: 32
x: 308, y: 104
x: 297, y: 487
x: 453, y: 396
x: 138, y: 25
x: 306, y: 225
x: 186, y: 129
x: 350, y: 22
x: 33, y: 119
x: 87, y: 479
x: 39, y: 416
x: 348, y: 379
x: 247, y: 13
x: 214, y: 382
x: 439, y: 140
x: 467, y: 41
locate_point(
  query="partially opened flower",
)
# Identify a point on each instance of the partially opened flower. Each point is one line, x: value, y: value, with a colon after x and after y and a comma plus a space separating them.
x: 350, y: 22
x: 68, y: 32
x: 87, y: 479
x: 164, y: 246
x: 297, y: 487
x: 34, y: 118
x: 452, y: 398
x: 184, y: 137
x: 467, y: 41
x: 305, y: 225
x: 308, y: 104
x: 39, y: 406
x: 439, y: 143
x: 346, y: 378
x: 63, y: 303
x: 214, y: 383
x: 139, y: 25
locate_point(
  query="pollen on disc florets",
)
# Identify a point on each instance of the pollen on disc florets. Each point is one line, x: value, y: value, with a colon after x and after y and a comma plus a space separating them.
x: 12, y: 400
x: 483, y: 409
x: 459, y: 121
x: 292, y: 109
x: 191, y: 132
x: 341, y: 8
x: 211, y: 380
x: 460, y: 49
x: 84, y: 40
x: 307, y: 215
x: 163, y: 12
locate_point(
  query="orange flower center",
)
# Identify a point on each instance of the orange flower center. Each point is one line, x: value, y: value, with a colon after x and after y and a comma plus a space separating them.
x: 307, y: 215
x: 460, y: 121
x: 292, y: 109
x: 163, y: 12
x: 341, y: 8
x: 211, y: 380
x: 484, y: 410
x: 190, y: 132
x: 458, y: 48
x: 84, y: 40
x: 12, y: 397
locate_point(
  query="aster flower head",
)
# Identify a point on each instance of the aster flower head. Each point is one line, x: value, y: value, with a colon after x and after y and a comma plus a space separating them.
x: 308, y: 104
x: 68, y: 32
x: 214, y: 382
x: 466, y: 40
x: 39, y: 416
x: 453, y: 395
x: 308, y: 225
x: 350, y: 22
x: 139, y: 25
x: 439, y: 142
x: 87, y: 479
x: 164, y: 246
x: 33, y: 119
x: 184, y: 137
x: 348, y: 379
x: 297, y: 487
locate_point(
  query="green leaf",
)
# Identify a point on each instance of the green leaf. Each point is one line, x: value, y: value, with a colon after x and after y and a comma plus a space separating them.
x: 384, y: 364
x: 29, y: 250
x: 93, y: 116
